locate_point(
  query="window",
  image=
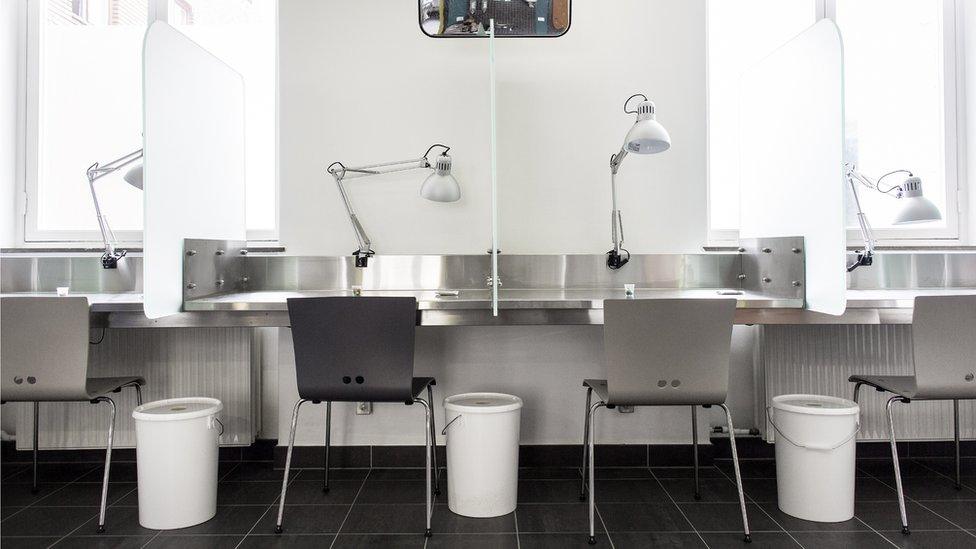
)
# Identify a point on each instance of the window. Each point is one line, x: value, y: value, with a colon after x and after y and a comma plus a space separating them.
x: 84, y: 105
x: 899, y: 58
x: 897, y: 112
x: 740, y: 34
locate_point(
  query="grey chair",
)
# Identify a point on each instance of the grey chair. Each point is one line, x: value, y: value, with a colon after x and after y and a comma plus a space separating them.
x: 44, y: 356
x: 944, y: 356
x: 663, y: 352
x: 357, y: 349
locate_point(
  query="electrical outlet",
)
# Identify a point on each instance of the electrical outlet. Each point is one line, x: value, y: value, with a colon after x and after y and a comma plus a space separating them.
x: 364, y: 408
x: 625, y: 409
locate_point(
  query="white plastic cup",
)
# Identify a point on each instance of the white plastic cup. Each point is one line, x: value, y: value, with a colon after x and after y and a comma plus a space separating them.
x: 629, y: 290
x: 63, y: 291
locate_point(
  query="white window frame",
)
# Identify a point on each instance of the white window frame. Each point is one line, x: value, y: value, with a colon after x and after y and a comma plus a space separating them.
x: 29, y: 235
x: 954, y: 95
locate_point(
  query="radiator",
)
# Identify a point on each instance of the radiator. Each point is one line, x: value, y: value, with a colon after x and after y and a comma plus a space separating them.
x: 212, y: 362
x: 818, y: 359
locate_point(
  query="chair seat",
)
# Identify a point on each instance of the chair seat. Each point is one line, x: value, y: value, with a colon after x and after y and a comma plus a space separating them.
x: 599, y: 387
x: 99, y: 386
x: 420, y: 385
x: 899, y: 385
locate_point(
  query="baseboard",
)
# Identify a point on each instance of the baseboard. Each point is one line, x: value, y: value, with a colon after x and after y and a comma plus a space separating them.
x: 530, y: 455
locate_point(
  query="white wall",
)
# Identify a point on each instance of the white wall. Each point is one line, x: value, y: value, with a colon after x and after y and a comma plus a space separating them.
x: 545, y: 365
x: 9, y: 81
x: 378, y: 90
x: 363, y: 85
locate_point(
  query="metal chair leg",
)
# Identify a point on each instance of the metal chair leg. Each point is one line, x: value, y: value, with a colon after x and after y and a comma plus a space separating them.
x: 108, y: 463
x: 894, y: 458
x: 586, y: 435
x: 428, y: 440
x: 284, y: 479
x: 694, y: 448
x: 591, y: 468
x: 433, y: 440
x: 328, y: 445
x: 37, y: 411
x: 738, y: 475
x: 955, y: 435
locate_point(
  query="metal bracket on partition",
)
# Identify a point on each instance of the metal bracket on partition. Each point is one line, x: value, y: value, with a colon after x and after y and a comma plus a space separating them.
x: 213, y: 267
x: 773, y: 266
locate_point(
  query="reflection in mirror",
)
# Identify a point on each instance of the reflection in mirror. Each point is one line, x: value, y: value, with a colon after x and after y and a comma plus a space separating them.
x: 513, y: 18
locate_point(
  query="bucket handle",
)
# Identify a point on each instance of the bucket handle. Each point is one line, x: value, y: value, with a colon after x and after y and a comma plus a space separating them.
x: 216, y: 419
x: 819, y: 447
x: 444, y: 430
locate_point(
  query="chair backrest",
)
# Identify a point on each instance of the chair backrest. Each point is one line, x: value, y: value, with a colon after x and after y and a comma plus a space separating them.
x: 668, y: 351
x: 944, y: 342
x: 43, y: 348
x: 354, y: 348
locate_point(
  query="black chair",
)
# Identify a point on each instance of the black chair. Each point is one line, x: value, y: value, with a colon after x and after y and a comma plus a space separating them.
x: 357, y: 349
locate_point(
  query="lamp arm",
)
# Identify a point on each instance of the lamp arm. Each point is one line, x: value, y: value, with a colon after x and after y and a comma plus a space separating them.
x: 865, y: 258
x: 111, y: 256
x: 614, y: 259
x: 102, y: 222
x: 357, y: 227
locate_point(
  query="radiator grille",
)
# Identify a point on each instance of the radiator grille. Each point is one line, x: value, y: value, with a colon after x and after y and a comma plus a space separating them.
x: 818, y: 359
x: 212, y: 362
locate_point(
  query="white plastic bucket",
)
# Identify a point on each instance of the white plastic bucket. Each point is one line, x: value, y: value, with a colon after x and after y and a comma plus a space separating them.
x: 176, y: 458
x: 482, y: 453
x: 815, y: 448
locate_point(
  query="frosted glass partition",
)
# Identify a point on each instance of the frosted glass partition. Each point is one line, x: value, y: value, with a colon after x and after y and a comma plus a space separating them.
x: 193, y: 124
x: 791, y: 154
x: 492, y: 92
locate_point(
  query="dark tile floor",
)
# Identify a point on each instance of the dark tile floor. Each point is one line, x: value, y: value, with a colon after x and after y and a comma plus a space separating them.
x: 637, y: 507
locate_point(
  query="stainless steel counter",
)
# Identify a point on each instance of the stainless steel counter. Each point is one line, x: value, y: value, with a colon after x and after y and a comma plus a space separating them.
x: 518, y: 307
x: 226, y: 286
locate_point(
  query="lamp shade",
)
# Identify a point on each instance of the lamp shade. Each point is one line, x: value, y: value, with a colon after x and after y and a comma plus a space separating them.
x: 916, y: 208
x: 440, y: 186
x: 134, y: 176
x: 647, y: 135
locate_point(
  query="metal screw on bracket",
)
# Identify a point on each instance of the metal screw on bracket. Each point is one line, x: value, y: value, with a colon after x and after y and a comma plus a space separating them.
x: 190, y: 285
x: 797, y: 250
x: 220, y: 252
x: 741, y: 249
x: 243, y: 252
x: 796, y: 283
x: 220, y: 282
x: 742, y: 277
x: 31, y: 380
x: 970, y: 377
x: 767, y: 251
x: 18, y: 380
x: 766, y: 279
x: 191, y: 252
x: 244, y: 279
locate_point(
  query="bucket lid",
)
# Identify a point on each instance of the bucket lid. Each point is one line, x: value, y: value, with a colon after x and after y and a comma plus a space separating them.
x: 177, y: 409
x: 816, y: 405
x: 482, y: 403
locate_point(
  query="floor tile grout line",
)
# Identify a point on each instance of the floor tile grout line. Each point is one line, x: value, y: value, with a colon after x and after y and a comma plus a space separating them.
x: 918, y: 502
x: 40, y: 499
x: 857, y: 518
x: 604, y: 523
x: 678, y: 507
x: 351, y: 505
x: 760, y: 507
x: 943, y: 475
x: 518, y: 542
x: 270, y: 507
